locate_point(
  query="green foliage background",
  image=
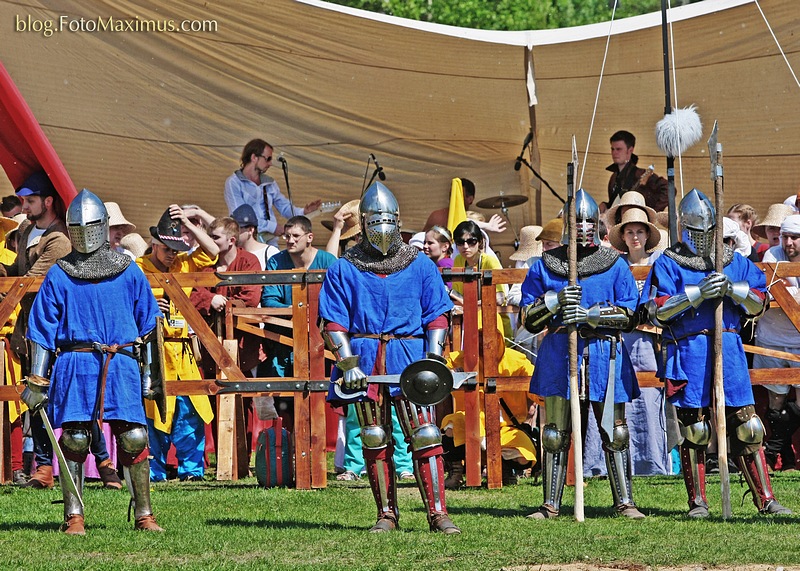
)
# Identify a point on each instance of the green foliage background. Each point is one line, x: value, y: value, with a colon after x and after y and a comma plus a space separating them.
x: 509, y: 14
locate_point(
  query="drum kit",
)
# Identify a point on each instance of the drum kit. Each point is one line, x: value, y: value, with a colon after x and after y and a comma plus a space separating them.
x: 504, y: 202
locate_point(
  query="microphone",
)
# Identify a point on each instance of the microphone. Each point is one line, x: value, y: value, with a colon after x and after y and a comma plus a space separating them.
x: 378, y: 168
x: 525, y: 143
x: 283, y: 161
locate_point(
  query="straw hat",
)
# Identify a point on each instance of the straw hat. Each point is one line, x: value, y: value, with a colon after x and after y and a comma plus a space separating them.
x: 528, y: 245
x: 776, y: 213
x: 8, y: 225
x: 351, y: 222
x: 629, y: 216
x: 115, y: 217
x: 551, y: 231
x: 630, y: 198
x: 134, y: 243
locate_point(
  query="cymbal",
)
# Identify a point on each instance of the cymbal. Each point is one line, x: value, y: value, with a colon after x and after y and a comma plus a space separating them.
x: 502, y: 201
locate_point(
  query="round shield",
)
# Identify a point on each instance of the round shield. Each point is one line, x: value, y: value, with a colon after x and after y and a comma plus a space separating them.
x: 426, y: 382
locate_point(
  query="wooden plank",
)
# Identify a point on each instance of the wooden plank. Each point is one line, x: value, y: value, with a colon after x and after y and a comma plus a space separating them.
x: 491, y: 356
x: 785, y: 299
x: 226, y: 428
x: 17, y: 290
x: 302, y: 401
x: 316, y: 352
x: 207, y: 337
x: 6, y: 473
x: 472, y: 405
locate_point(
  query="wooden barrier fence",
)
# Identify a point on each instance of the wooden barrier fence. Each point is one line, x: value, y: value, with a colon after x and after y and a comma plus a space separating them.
x: 480, y: 355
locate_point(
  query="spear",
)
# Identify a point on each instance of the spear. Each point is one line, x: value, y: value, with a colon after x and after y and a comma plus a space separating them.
x: 715, y: 154
x: 574, y: 396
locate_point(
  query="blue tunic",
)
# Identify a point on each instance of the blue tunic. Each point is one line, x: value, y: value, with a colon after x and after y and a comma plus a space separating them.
x: 691, y: 357
x: 116, y: 310
x: 401, y: 304
x: 551, y: 375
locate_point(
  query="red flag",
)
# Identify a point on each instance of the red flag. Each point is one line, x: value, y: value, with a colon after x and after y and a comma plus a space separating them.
x: 24, y: 148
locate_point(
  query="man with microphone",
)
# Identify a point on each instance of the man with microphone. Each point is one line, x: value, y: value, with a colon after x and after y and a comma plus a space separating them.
x: 251, y: 185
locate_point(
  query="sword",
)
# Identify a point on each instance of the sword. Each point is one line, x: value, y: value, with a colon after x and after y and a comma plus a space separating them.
x: 62, y: 461
x: 225, y: 387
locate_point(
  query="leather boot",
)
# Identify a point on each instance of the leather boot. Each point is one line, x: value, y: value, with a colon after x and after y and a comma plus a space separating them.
x: 509, y: 477
x: 108, y: 475
x: 42, y: 479
x: 780, y: 427
x: 455, y: 476
x: 754, y: 468
x: 693, y: 462
x: 138, y: 477
x: 73, y: 510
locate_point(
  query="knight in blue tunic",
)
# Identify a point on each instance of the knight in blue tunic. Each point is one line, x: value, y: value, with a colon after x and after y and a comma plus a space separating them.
x: 92, y: 311
x: 602, y: 303
x: 680, y: 295
x: 383, y: 306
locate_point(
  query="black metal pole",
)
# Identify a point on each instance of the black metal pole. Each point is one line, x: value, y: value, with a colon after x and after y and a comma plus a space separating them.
x: 673, y: 221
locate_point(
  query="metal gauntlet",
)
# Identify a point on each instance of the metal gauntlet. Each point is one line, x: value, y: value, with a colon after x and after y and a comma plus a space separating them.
x: 339, y: 343
x: 436, y: 341
x: 611, y: 316
x: 539, y: 314
x: 741, y: 293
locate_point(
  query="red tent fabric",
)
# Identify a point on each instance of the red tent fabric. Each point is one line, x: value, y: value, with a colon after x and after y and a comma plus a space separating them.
x: 24, y: 148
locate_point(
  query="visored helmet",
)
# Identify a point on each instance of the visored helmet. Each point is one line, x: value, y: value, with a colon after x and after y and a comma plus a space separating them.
x: 380, y: 215
x: 698, y: 220
x: 87, y: 222
x: 587, y: 217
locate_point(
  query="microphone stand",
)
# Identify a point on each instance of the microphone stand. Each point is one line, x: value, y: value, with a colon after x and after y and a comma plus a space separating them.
x: 521, y: 160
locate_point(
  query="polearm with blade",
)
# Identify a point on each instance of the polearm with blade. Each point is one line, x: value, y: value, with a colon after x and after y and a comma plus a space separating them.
x: 574, y: 394
x: 715, y: 154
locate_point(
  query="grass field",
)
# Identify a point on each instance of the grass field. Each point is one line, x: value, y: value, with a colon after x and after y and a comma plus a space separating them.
x: 236, y: 525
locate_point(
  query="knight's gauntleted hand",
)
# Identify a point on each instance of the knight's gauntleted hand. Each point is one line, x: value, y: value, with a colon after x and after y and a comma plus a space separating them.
x: 35, y: 393
x: 714, y: 285
x: 574, y: 315
x: 570, y: 295
x: 353, y: 377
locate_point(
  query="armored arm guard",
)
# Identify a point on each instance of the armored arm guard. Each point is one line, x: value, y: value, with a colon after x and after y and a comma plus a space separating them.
x: 339, y: 344
x: 436, y: 339
x: 38, y: 381
x: 611, y: 316
x: 675, y: 305
x: 152, y: 372
x: 741, y: 293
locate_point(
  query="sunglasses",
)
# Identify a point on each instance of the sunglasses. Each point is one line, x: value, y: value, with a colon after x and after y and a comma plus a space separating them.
x: 469, y: 241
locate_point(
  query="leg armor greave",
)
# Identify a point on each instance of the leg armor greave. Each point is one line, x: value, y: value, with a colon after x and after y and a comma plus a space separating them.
x: 618, y: 457
x: 695, y: 428
x: 72, y: 503
x: 375, y: 421
x: 419, y: 425
x: 555, y: 448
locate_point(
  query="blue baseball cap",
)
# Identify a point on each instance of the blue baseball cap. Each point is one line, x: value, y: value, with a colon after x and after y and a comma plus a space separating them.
x: 245, y: 216
x: 37, y: 184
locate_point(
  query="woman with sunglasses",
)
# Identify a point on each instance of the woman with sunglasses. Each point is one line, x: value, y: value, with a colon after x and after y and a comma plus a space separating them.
x: 251, y: 185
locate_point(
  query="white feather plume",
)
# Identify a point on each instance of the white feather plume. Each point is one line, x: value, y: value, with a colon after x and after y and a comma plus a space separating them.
x: 678, y: 131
